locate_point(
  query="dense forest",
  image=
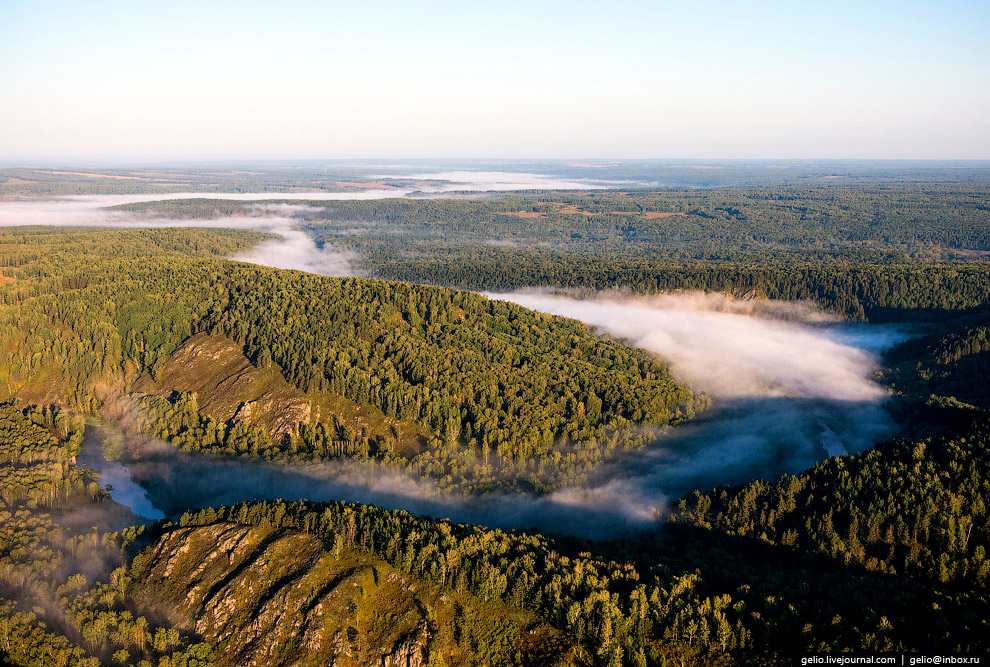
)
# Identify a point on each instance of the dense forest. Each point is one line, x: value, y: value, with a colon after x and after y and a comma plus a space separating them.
x: 155, y: 332
x: 706, y: 581
x: 950, y: 363
x: 736, y: 573
x: 869, y: 251
x: 712, y: 223
x: 865, y: 252
x: 503, y: 392
x: 75, y: 598
x: 854, y: 222
x: 62, y: 588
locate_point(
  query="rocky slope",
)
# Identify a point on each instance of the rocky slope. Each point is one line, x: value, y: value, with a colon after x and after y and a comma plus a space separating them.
x: 228, y: 386
x: 274, y: 597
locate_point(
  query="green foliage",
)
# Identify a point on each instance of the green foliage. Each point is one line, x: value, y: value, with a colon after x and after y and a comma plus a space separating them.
x: 860, y: 250
x: 912, y: 508
x: 946, y: 366
x: 811, y: 581
x: 504, y: 391
x: 49, y: 611
x: 729, y: 223
x: 36, y: 447
x: 268, y: 595
x: 884, y: 551
x: 862, y: 291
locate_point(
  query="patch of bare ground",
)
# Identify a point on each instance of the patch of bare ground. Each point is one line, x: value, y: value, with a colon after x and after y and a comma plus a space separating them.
x: 653, y: 215
x: 44, y: 388
x: 967, y: 253
x: 229, y: 387
x: 523, y: 214
x: 265, y: 596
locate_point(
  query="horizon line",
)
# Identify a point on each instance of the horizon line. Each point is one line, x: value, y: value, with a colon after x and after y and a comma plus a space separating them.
x: 43, y: 163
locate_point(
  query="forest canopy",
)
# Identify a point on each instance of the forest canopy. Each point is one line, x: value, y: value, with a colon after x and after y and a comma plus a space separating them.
x: 494, y: 385
x: 883, y: 550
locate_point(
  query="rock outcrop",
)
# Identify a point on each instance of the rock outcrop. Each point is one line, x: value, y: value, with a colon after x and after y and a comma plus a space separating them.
x: 270, y: 597
x: 266, y: 597
x: 228, y: 386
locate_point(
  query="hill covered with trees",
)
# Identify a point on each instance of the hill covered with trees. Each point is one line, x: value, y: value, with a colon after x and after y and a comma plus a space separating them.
x: 497, y: 390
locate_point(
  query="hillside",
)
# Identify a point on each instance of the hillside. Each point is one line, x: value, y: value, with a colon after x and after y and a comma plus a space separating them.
x: 276, y: 597
x: 220, y: 594
x: 229, y: 388
x: 248, y: 581
x: 60, y: 589
x: 491, y: 394
x: 950, y: 364
x: 876, y: 250
x: 884, y: 550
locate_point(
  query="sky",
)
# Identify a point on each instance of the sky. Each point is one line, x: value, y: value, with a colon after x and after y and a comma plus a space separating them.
x: 206, y: 80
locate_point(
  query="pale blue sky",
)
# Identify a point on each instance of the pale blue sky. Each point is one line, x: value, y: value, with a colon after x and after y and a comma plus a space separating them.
x: 225, y: 80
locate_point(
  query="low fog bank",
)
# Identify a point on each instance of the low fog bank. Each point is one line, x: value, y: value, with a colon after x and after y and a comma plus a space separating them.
x: 92, y: 210
x: 740, y: 440
x: 736, y: 349
x: 791, y: 387
x: 294, y: 249
x: 170, y: 482
x: 505, y: 181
